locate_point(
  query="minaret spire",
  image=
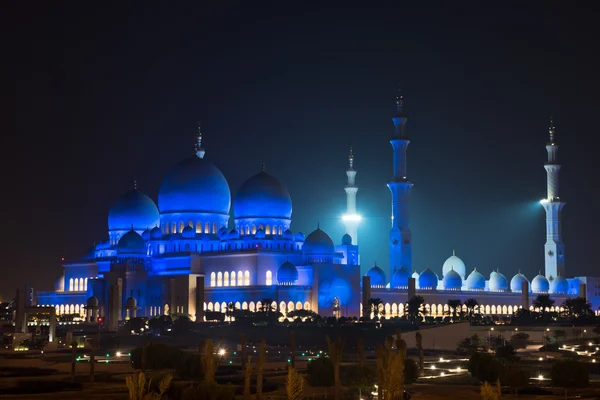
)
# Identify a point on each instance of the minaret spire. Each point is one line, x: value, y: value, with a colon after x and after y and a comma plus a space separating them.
x: 135, y: 184
x: 351, y: 219
x: 400, y: 234
x: 554, y: 247
x: 198, y: 147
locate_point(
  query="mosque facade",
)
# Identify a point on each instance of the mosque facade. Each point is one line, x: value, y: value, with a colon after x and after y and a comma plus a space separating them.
x: 195, y: 252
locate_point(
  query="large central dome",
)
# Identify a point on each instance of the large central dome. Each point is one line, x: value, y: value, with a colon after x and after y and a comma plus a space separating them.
x: 194, y: 185
x: 262, y: 196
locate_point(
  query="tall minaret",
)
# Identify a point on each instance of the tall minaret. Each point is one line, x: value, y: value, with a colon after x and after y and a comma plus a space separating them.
x: 351, y: 218
x: 555, y: 251
x: 198, y: 147
x: 400, y: 235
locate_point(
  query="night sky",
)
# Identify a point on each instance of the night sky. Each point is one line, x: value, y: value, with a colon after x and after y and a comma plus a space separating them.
x: 108, y: 95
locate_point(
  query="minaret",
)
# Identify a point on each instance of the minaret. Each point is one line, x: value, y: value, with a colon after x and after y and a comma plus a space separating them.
x: 400, y: 235
x: 554, y: 247
x: 198, y: 147
x: 351, y: 218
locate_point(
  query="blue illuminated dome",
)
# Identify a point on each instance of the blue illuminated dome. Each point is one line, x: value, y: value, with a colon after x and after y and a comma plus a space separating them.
x: 346, y: 240
x: 155, y: 233
x: 287, y: 235
x: 188, y: 233
x: 299, y: 237
x: 400, y: 278
x: 540, y: 284
x: 234, y: 234
x: 475, y: 281
x: 498, y: 282
x: 194, y: 185
x: 133, y: 209
x: 146, y: 234
x: 262, y: 196
x: 287, y: 273
x: 559, y: 285
x: 318, y: 242
x: 452, y: 280
x: 377, y: 276
x: 131, y: 243
x: 260, y: 234
x: 516, y: 281
x: 456, y: 264
x: 92, y: 302
x: 428, y: 279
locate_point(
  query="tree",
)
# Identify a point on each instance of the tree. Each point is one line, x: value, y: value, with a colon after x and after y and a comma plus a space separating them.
x: 335, y: 350
x: 469, y: 345
x: 259, y: 369
x: 519, y: 340
x: 376, y: 306
x: 454, y: 306
x: 543, y: 301
x: 489, y: 392
x: 209, y: 362
x: 319, y: 372
x: 93, y: 345
x: 419, y: 340
x: 577, y: 308
x: 294, y: 385
x: 267, y: 306
x: 515, y: 377
x: 415, y: 307
x: 485, y: 367
x: 361, y: 378
x: 471, y: 305
x: 390, y: 369
x: 247, y: 377
x: 506, y: 353
x: 570, y: 374
x: 303, y: 314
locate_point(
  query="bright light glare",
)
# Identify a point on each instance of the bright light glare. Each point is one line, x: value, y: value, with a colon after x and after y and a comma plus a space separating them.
x: 221, y: 352
x: 540, y: 359
x: 540, y: 377
x: 118, y: 354
x: 351, y: 217
x: 543, y: 201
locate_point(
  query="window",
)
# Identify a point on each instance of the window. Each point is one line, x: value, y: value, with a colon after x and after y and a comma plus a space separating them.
x: 233, y: 278
x: 76, y: 287
x: 71, y: 285
x: 226, y: 279
x: 85, y: 284
x: 240, y: 281
x: 213, y: 279
x: 247, y: 229
x: 190, y: 223
x: 261, y: 227
x: 269, y: 278
x: 206, y: 227
x: 219, y: 279
x: 174, y: 228
x: 181, y: 226
x: 198, y: 227
x: 247, y: 278
x: 214, y: 230
x: 254, y: 229
x: 268, y: 231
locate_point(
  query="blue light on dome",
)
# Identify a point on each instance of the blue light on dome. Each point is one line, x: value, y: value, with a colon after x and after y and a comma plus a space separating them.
x: 516, y: 282
x: 318, y: 242
x: 262, y: 196
x: 428, y: 280
x: 131, y: 243
x: 498, y: 282
x: 400, y: 278
x: 452, y: 280
x: 287, y: 273
x: 540, y: 284
x: 559, y: 285
x: 133, y: 209
x: 475, y: 281
x: 194, y: 185
x: 377, y: 277
x: 346, y: 240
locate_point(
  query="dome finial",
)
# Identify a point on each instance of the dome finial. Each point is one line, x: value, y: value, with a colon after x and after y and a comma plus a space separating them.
x: 263, y: 167
x: 552, y: 130
x: 399, y: 102
x: 198, y: 147
x: 453, y: 252
x: 351, y: 159
x: 318, y: 224
x: 135, y: 184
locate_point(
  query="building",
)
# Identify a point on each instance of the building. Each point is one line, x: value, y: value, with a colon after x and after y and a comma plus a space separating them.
x: 186, y: 254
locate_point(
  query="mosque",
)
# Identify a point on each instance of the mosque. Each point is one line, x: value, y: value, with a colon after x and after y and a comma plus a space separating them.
x: 186, y: 254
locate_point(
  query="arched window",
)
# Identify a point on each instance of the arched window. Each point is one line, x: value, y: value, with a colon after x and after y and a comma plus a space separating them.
x: 269, y: 278
x: 72, y: 309
x: 280, y: 230
x: 247, y: 278
x: 281, y: 307
x: 85, y: 284
x: 181, y: 226
x: 206, y: 227
x: 290, y: 306
x: 217, y: 307
x: 240, y: 278
x: 226, y: 279
x: 198, y: 227
x: 306, y: 305
x: 76, y: 288
x: 247, y: 229
x: 268, y: 230
x: 254, y: 229
x: 209, y: 307
x: 223, y: 307
x: 238, y: 306
x: 82, y: 310
x: 81, y: 284
x: 219, y: 279
x: 261, y: 227
x: 298, y: 306
x: 233, y: 278
x: 244, y: 306
x: 214, y: 228
x: 71, y: 285
x: 190, y: 223
x: 251, y: 306
x: 62, y: 309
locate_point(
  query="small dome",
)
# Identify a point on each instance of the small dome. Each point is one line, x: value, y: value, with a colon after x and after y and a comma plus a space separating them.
x: 287, y: 273
x: 59, y: 284
x: 194, y: 185
x: 559, y: 285
x: 498, y: 282
x: 131, y: 302
x: 131, y: 243
x: 260, y: 234
x: 516, y: 282
x: 92, y: 302
x: 133, y: 208
x: 428, y: 279
x: 456, y: 264
x: 223, y: 233
x: 452, y: 280
x: 346, y: 240
x: 318, y: 242
x: 475, y: 281
x: 146, y: 234
x: 262, y: 196
x: 288, y: 235
x: 400, y: 278
x: 540, y: 284
x: 188, y: 233
x: 377, y: 277
x: 415, y: 275
x: 234, y: 234
x: 155, y: 233
x: 299, y: 237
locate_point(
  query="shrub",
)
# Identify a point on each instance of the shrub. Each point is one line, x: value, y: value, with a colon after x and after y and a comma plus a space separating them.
x: 515, y: 377
x: 519, y: 340
x: 570, y: 374
x: 411, y: 371
x: 506, y: 352
x: 485, y: 367
x: 188, y: 367
x: 357, y: 377
x: 320, y: 372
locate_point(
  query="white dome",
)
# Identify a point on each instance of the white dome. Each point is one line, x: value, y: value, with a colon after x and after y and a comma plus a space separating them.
x: 498, y: 282
x: 517, y: 281
x: 456, y: 264
x: 540, y: 284
x: 475, y: 281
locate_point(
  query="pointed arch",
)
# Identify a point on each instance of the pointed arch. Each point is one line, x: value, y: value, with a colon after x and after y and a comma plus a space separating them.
x: 233, y: 278
x: 199, y: 227
x: 246, y: 278
x: 306, y: 305
x: 251, y: 306
x: 219, y: 278
x: 71, y: 285
x: 244, y: 306
x: 213, y: 279
x: 226, y: 279
x: 240, y: 279
x: 269, y: 278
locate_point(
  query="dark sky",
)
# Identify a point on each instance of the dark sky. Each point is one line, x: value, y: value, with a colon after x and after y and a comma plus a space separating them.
x: 107, y: 95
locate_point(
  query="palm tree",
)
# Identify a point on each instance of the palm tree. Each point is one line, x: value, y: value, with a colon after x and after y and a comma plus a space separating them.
x: 375, y: 304
x: 454, y: 307
x: 471, y: 305
x: 247, y: 377
x: 266, y: 306
x: 577, y: 307
x: 335, y: 349
x: 259, y: 369
x: 230, y: 310
x: 414, y: 307
x: 294, y: 385
x: 543, y: 301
